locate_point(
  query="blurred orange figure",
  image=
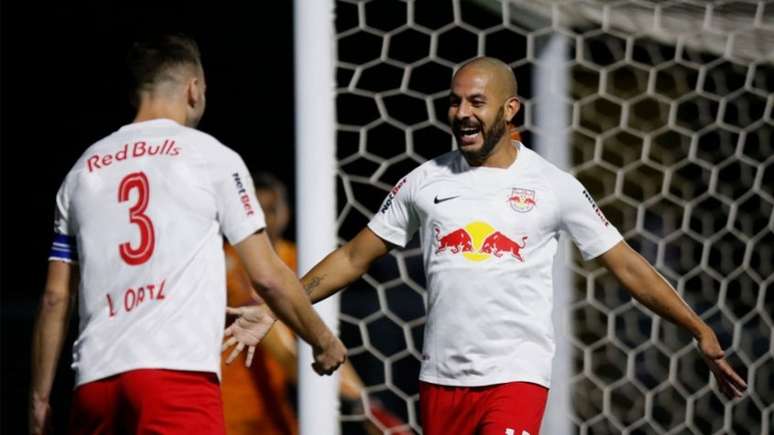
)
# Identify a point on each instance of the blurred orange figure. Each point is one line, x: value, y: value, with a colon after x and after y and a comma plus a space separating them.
x: 256, y: 398
x: 515, y: 135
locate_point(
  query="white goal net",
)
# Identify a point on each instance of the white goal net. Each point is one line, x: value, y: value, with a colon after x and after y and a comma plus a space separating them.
x: 669, y: 126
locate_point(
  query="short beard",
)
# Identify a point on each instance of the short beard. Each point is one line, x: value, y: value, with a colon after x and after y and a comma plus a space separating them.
x: 491, y: 137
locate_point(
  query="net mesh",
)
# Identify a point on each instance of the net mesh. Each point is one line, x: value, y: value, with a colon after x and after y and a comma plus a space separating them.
x: 671, y: 130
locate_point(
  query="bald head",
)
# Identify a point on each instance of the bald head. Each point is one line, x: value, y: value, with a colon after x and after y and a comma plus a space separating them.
x: 500, y: 75
x: 482, y: 103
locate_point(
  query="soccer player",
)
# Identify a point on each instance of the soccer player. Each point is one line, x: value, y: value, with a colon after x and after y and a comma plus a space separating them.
x: 489, y: 215
x: 140, y: 217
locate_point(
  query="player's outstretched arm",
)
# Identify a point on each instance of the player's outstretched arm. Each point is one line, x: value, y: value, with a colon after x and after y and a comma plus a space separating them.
x: 651, y: 289
x: 339, y: 269
x: 48, y: 338
x: 283, y: 293
x: 344, y: 265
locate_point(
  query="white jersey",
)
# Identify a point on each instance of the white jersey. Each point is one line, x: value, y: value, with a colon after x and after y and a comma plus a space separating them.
x: 147, y: 208
x: 489, y: 237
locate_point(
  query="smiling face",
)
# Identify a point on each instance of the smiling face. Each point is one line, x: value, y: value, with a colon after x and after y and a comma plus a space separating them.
x: 482, y: 102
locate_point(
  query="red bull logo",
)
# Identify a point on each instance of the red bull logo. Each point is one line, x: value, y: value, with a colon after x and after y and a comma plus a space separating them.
x: 456, y: 241
x: 498, y: 244
x: 479, y: 241
x: 522, y: 200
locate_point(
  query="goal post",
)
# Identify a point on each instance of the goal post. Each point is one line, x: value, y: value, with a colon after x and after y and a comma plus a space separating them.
x: 318, y: 404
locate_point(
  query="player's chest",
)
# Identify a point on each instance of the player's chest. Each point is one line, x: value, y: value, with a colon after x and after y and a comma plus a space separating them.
x: 513, y: 207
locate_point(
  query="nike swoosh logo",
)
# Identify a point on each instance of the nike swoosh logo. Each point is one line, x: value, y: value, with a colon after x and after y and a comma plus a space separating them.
x: 438, y: 200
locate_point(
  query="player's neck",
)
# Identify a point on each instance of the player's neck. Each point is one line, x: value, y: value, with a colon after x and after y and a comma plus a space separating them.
x: 151, y: 109
x: 502, y: 156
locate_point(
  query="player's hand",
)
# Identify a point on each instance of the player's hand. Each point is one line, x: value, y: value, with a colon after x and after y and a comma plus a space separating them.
x: 730, y: 383
x: 39, y: 418
x: 329, y: 357
x: 248, y: 330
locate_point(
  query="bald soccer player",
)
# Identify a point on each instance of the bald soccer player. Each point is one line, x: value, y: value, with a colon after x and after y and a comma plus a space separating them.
x: 489, y: 216
x: 139, y: 228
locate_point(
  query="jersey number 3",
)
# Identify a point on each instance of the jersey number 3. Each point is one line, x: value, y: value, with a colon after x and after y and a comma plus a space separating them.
x: 142, y: 253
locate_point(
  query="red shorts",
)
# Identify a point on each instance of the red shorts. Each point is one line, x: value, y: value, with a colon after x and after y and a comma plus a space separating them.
x: 149, y: 401
x: 515, y: 408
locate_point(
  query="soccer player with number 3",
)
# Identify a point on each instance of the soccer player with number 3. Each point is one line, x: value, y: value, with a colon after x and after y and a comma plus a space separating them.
x: 489, y: 215
x: 139, y: 226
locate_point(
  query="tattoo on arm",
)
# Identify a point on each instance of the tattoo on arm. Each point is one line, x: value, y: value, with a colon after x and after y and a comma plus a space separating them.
x: 313, y: 284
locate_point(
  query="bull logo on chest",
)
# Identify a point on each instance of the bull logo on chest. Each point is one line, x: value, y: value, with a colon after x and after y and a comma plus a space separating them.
x: 522, y: 200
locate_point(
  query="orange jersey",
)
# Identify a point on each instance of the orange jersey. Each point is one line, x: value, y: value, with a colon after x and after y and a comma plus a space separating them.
x: 255, y: 398
x: 515, y: 135
x: 287, y: 253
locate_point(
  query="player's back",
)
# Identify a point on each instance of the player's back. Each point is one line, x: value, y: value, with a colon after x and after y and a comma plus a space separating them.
x: 147, y: 206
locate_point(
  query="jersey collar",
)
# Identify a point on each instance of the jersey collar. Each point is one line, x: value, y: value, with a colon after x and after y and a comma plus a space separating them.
x: 520, y: 157
x: 161, y: 122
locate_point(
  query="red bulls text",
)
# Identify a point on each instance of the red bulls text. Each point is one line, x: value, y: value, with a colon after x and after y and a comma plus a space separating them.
x: 134, y: 151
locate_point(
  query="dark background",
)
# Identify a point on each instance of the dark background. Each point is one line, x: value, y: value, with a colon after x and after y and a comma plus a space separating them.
x: 64, y: 86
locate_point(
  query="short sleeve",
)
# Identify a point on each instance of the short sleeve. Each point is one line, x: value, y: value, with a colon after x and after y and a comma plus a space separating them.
x: 63, y: 246
x: 581, y: 217
x: 239, y: 212
x: 62, y: 211
x: 396, y: 220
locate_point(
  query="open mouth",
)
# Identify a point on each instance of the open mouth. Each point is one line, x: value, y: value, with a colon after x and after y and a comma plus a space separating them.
x: 468, y: 134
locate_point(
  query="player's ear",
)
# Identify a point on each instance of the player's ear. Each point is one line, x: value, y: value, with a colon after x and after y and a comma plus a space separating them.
x: 512, y: 107
x: 194, y: 91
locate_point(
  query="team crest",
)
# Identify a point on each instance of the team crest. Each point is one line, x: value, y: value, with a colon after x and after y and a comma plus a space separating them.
x: 522, y: 200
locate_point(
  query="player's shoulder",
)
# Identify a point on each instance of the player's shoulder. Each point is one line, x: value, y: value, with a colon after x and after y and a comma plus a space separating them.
x: 547, y: 177
x: 191, y: 138
x: 447, y: 163
x: 542, y: 168
x: 445, y: 160
x: 415, y: 179
x: 429, y: 169
x: 93, y: 149
x: 211, y: 151
x: 205, y: 142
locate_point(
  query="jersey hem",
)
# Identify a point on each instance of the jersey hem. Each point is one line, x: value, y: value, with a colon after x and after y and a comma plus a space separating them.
x: 387, y: 233
x: 245, y: 230
x: 484, y: 382
x: 63, y: 260
x: 606, y: 242
x: 86, y: 378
